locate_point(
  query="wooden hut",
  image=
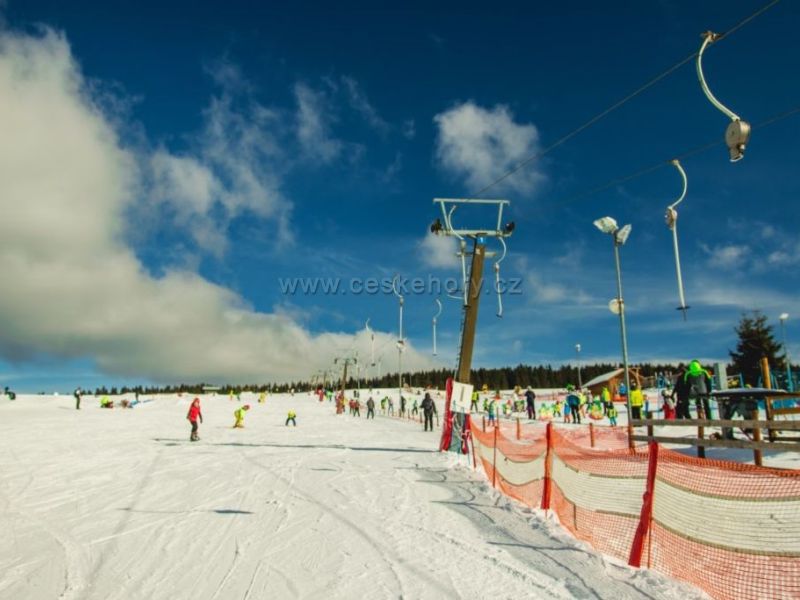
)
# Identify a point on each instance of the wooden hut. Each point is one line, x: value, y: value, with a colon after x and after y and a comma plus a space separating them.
x: 612, y: 381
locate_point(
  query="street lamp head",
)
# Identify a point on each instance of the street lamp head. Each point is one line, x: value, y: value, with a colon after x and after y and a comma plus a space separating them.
x: 577, y: 347
x: 621, y: 236
x: 784, y: 316
x: 436, y: 227
x: 509, y: 228
x: 606, y: 225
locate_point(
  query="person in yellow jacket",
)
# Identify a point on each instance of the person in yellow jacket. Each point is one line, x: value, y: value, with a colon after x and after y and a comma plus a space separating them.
x: 261, y: 398
x: 290, y: 416
x: 239, y: 415
x: 637, y: 401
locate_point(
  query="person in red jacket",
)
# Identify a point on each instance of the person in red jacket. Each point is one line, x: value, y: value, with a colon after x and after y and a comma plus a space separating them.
x: 194, y: 414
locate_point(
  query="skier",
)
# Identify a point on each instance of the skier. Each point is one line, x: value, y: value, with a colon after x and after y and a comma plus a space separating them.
x: 637, y: 401
x: 239, y: 415
x: 370, y: 408
x: 530, y: 397
x: 607, y: 403
x: 611, y: 413
x: 492, y: 410
x: 668, y: 402
x: 574, y: 403
x: 194, y: 414
x: 428, y: 409
x: 699, y: 382
x: 474, y: 404
x: 77, y: 394
x: 291, y: 416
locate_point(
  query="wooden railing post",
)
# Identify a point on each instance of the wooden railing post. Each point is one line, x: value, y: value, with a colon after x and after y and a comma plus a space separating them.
x: 701, y: 450
x: 483, y: 419
x: 518, y: 429
x: 649, y: 416
x: 591, y: 434
x: 757, y: 455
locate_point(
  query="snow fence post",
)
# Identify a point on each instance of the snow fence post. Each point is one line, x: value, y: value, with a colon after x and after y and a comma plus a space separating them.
x: 494, y: 457
x: 548, y: 467
x: 646, y: 516
x: 518, y: 430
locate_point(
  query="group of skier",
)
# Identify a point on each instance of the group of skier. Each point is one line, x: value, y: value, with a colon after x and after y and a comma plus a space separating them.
x: 195, y: 416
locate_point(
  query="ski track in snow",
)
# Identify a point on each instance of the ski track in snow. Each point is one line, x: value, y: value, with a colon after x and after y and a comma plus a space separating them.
x: 104, y: 505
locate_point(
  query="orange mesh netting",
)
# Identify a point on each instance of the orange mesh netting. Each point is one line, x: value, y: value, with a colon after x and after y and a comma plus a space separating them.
x: 728, y: 528
x: 732, y: 530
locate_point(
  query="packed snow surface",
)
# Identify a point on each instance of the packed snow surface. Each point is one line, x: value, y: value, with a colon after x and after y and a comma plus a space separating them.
x: 105, y: 504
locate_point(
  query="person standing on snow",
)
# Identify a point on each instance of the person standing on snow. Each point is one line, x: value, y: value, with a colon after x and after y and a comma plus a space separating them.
x: 637, y: 401
x: 574, y: 403
x: 291, y: 416
x: 371, y: 408
x: 428, y: 409
x: 193, y: 415
x: 77, y: 393
x: 239, y: 415
x: 474, y: 403
x: 699, y: 384
x: 530, y: 397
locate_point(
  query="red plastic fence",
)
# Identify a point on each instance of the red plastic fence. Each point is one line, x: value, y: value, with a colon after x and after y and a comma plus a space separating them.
x: 732, y: 530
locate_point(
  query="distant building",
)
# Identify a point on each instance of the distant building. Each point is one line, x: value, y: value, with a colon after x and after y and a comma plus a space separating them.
x: 612, y: 381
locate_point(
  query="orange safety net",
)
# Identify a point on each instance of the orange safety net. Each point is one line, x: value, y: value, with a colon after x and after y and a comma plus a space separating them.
x: 749, y: 550
x: 727, y: 528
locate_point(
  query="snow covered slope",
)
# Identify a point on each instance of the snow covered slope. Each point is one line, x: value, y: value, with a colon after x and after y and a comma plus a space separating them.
x: 113, y: 504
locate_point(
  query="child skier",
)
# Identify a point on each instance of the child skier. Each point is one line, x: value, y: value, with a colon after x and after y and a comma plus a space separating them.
x: 193, y: 415
x: 290, y: 416
x: 611, y: 413
x: 239, y: 415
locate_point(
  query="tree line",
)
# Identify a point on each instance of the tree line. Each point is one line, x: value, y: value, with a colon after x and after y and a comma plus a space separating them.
x: 756, y: 339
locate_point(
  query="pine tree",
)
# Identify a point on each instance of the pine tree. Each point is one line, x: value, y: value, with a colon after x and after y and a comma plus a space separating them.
x: 756, y: 340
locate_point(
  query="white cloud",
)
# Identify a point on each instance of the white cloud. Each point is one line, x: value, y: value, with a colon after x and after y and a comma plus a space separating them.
x: 361, y: 104
x: 438, y: 251
x: 71, y: 286
x: 313, y: 125
x: 479, y: 145
x: 726, y: 257
x: 233, y: 166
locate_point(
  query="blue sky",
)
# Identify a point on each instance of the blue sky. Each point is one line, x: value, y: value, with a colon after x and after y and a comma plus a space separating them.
x: 180, y: 158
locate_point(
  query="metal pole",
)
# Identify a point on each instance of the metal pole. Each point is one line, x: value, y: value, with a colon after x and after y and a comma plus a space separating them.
x: 622, y: 329
x: 578, y: 352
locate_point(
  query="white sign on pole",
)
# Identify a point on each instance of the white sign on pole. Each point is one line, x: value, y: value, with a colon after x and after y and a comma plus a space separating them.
x: 462, y: 397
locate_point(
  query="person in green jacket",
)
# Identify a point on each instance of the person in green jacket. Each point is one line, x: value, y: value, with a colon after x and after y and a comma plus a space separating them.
x: 239, y: 415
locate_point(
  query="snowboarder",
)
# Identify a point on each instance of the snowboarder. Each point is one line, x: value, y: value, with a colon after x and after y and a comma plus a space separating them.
x: 428, y: 409
x: 291, y: 416
x: 530, y: 397
x: 77, y: 394
x: 239, y: 415
x: 193, y: 415
x: 370, y: 408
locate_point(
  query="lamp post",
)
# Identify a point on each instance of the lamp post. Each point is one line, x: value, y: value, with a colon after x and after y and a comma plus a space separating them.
x: 619, y: 235
x: 578, y: 352
x: 789, y: 382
